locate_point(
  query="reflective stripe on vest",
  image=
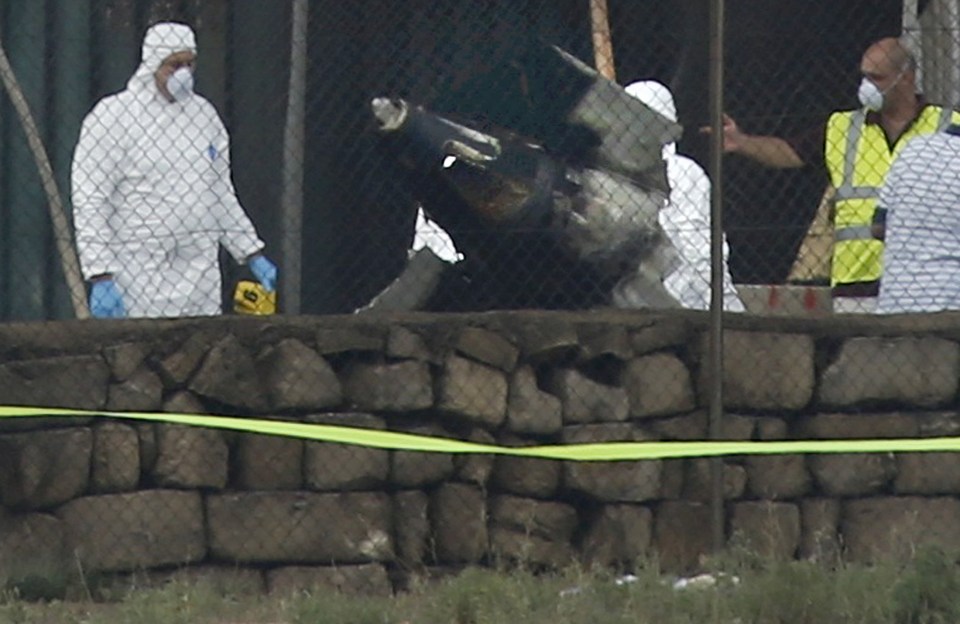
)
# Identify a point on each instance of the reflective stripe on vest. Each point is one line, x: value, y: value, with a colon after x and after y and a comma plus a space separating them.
x: 854, y: 232
x: 847, y: 190
x: 857, y: 254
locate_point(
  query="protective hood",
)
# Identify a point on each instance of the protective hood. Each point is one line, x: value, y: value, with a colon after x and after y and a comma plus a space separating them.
x: 658, y: 97
x: 161, y: 41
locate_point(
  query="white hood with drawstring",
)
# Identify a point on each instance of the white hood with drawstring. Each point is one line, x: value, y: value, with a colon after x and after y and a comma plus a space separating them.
x: 685, y: 219
x: 152, y: 192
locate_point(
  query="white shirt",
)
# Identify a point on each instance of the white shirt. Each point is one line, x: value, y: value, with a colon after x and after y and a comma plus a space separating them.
x: 922, y: 256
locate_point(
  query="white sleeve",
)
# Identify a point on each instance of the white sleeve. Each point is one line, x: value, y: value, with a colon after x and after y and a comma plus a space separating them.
x: 913, y: 165
x: 237, y: 232
x: 93, y: 179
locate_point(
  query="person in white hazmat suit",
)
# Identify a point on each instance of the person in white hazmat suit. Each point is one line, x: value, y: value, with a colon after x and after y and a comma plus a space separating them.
x: 153, y: 196
x: 685, y: 219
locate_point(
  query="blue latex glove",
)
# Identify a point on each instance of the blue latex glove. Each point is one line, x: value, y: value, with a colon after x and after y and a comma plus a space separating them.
x: 265, y: 271
x: 106, y: 301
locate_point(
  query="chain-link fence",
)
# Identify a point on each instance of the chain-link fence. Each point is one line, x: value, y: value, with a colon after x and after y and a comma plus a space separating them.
x: 373, y: 156
x: 374, y: 455
x: 335, y: 195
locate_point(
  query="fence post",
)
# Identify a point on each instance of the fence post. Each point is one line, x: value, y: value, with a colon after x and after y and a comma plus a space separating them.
x: 293, y: 154
x: 715, y: 364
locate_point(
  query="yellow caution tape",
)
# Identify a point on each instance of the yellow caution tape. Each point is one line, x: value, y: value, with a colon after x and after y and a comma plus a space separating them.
x: 602, y: 451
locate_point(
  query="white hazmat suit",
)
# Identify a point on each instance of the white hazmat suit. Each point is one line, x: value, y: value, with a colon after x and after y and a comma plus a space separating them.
x: 152, y: 192
x: 429, y: 234
x: 685, y: 219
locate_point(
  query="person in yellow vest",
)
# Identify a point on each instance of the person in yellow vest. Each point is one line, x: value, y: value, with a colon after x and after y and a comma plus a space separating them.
x: 857, y: 148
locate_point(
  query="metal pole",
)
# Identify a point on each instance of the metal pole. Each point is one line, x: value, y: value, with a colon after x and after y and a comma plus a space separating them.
x: 913, y: 39
x: 602, y: 40
x: 950, y: 90
x: 293, y: 153
x: 715, y: 365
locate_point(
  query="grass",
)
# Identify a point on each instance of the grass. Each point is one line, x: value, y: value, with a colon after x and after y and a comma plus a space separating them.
x: 925, y: 590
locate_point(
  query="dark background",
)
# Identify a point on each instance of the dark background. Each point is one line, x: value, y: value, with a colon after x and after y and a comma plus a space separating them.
x: 789, y: 63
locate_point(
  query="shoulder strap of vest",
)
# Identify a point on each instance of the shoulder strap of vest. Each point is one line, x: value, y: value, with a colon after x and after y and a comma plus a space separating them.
x: 946, y: 113
x: 846, y: 190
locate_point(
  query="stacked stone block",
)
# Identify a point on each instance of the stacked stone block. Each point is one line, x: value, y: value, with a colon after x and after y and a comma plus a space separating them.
x: 115, y: 495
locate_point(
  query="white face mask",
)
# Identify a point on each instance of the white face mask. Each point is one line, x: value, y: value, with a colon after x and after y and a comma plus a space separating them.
x: 870, y: 94
x: 180, y: 84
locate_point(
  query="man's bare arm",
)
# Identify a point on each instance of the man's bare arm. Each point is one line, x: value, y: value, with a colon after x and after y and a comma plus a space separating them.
x: 769, y: 151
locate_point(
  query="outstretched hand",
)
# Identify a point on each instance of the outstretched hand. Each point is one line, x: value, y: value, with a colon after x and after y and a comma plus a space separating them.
x: 733, y: 138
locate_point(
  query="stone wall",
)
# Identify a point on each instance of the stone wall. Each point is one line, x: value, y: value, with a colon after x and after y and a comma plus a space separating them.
x: 114, y: 496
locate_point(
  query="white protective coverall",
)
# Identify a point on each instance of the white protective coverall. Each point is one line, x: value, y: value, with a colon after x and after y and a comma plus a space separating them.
x: 686, y: 218
x: 429, y: 234
x: 152, y: 192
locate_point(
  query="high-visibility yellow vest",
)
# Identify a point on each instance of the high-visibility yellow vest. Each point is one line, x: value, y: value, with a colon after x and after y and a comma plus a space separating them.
x: 858, y: 159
